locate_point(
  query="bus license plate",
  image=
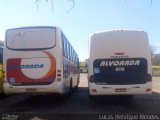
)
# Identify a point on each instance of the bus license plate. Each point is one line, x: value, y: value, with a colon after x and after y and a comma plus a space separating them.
x: 31, y: 90
x: 123, y: 90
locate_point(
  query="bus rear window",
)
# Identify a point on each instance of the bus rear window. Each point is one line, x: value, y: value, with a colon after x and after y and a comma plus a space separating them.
x: 121, y: 71
x: 31, y: 38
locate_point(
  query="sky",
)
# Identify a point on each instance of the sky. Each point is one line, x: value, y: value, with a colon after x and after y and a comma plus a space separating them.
x: 86, y: 17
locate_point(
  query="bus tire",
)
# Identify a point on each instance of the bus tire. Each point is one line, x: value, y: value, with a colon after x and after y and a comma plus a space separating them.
x: 91, y: 97
x: 69, y: 93
x: 77, y: 83
x: 70, y: 88
x: 2, y: 95
x: 128, y: 97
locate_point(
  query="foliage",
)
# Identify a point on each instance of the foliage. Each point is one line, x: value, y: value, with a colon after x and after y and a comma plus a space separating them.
x: 51, y: 1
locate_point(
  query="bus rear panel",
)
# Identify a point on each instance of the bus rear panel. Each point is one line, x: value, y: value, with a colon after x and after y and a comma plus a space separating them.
x: 119, y: 63
x: 34, y: 61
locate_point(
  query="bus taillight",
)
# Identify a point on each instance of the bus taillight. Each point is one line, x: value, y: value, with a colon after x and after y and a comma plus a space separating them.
x: 58, y: 79
x: 94, y: 90
x: 58, y: 71
x: 148, y: 89
x: 59, y: 74
x: 91, y: 78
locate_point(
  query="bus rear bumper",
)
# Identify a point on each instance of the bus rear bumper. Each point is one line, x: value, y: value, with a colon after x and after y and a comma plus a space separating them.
x: 136, y: 89
x: 43, y: 89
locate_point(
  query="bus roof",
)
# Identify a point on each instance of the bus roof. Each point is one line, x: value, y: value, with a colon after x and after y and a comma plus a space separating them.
x: 29, y: 27
x: 107, y: 31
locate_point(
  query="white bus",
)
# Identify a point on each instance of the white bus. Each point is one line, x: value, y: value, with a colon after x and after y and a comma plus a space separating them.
x: 39, y: 60
x: 119, y: 63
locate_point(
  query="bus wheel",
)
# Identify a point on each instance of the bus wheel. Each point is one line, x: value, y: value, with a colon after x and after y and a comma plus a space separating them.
x: 2, y: 95
x: 70, y: 88
x: 69, y: 93
x: 128, y: 97
x: 77, y: 83
x: 91, y: 97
